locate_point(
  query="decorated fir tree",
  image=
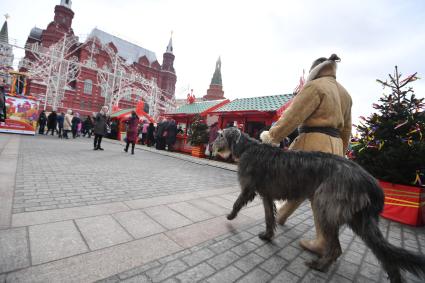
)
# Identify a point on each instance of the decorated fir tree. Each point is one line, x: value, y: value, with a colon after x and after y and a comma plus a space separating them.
x: 391, y: 142
x: 198, y: 133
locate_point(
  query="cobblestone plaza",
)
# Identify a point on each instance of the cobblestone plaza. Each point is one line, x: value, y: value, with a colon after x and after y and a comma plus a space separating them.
x: 71, y: 214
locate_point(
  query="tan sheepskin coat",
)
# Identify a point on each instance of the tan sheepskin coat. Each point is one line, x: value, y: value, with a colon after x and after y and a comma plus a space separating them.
x: 67, y: 123
x: 323, y: 102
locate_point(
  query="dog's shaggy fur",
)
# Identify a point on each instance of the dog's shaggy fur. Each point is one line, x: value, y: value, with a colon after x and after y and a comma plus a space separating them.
x: 341, y: 191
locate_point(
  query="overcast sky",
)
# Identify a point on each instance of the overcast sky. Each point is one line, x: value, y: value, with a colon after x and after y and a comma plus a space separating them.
x: 264, y: 45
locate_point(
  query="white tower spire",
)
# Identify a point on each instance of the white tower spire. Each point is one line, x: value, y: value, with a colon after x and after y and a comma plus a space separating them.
x: 66, y: 3
x: 170, y: 44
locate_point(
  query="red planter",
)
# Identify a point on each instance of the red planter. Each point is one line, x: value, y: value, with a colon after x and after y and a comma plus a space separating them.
x: 405, y: 204
x: 198, y: 150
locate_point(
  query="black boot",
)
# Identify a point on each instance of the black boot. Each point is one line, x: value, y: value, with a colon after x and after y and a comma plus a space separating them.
x: 132, y: 148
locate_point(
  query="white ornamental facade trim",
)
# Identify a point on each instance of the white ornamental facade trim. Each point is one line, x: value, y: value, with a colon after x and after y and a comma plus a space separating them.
x: 56, y: 67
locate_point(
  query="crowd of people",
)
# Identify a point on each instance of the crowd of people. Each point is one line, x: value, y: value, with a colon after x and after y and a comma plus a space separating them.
x: 162, y: 135
x: 70, y: 123
x: 65, y: 124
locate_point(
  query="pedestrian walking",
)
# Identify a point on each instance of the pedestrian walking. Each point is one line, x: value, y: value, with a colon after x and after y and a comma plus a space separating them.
x: 212, y: 135
x: 151, y: 136
x: 322, y: 113
x: 67, y: 123
x: 42, y: 118
x: 88, y: 126
x: 74, y: 124
x: 79, y: 128
x: 3, y: 112
x: 132, y: 131
x: 145, y: 127
x: 161, y: 135
x: 170, y: 139
x: 100, y: 127
x: 51, y: 122
x: 60, y: 119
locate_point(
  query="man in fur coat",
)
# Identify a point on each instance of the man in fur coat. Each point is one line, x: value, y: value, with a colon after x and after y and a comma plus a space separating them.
x: 322, y: 113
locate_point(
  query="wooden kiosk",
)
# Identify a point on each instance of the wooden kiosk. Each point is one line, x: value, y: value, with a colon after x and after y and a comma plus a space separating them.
x: 184, y: 115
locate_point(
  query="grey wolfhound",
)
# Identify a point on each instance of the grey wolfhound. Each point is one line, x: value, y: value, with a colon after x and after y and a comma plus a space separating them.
x: 342, y: 192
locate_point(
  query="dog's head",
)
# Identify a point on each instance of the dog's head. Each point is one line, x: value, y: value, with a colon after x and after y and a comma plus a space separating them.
x: 225, y: 141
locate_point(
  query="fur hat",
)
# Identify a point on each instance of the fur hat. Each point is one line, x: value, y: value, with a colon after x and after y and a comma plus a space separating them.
x: 320, y: 64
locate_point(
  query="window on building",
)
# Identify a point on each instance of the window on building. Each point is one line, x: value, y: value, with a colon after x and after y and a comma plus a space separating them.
x: 88, y: 86
x: 103, y: 91
x: 127, y: 95
x: 81, y: 104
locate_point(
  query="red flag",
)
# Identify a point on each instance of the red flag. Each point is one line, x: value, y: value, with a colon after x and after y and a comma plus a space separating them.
x: 190, y: 97
x: 140, y: 106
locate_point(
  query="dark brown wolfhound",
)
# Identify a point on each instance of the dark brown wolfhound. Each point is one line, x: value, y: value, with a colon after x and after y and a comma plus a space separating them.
x: 342, y: 193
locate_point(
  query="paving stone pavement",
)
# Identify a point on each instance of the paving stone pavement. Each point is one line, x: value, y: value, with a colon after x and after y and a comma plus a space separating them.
x: 56, y: 173
x: 240, y: 256
x: 155, y: 217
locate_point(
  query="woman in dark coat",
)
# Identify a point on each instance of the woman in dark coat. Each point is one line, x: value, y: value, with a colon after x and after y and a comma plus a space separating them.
x: 87, y: 127
x: 161, y: 134
x: 42, y: 122
x: 171, y: 134
x: 151, y: 137
x: 100, y: 127
x: 51, y: 122
x: 132, y: 131
x: 75, y: 121
x: 2, y: 101
x: 212, y: 135
x: 60, y: 119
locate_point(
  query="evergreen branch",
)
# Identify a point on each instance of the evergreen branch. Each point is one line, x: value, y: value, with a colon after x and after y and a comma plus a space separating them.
x: 408, y: 80
x: 385, y: 84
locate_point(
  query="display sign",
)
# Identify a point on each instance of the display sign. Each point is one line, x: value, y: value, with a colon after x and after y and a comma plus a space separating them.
x: 21, y: 116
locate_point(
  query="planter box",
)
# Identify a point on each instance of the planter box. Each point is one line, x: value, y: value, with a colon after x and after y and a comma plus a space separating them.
x: 405, y: 204
x: 198, y: 151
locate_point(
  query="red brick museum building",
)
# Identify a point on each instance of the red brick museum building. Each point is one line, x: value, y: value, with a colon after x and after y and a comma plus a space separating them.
x: 85, y: 95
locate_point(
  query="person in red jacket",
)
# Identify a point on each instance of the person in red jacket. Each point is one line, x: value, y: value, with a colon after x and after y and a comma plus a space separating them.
x: 132, y: 131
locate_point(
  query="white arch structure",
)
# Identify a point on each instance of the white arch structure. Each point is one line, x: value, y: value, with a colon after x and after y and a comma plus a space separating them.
x: 57, y: 66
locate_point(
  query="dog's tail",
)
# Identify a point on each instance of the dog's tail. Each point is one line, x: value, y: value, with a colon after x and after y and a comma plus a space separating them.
x: 392, y: 258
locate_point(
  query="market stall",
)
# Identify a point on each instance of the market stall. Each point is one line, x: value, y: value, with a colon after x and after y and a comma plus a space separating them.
x: 185, y: 114
x: 252, y: 114
x: 118, y: 119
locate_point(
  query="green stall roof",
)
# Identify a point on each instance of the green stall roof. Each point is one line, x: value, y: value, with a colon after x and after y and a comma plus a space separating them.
x: 261, y: 103
x: 123, y: 111
x: 196, y: 107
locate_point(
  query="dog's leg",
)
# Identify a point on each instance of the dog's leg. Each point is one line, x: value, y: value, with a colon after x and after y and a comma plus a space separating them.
x: 270, y: 211
x: 245, y: 196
